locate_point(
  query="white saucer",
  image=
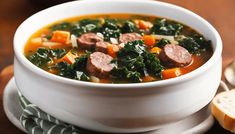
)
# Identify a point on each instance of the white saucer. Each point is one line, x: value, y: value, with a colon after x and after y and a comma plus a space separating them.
x: 199, y: 122
x: 11, y: 104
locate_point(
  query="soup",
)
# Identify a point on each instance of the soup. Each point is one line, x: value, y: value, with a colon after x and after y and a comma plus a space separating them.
x: 118, y: 48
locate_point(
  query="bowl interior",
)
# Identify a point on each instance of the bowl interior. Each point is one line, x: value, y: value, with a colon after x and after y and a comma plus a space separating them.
x: 77, y: 8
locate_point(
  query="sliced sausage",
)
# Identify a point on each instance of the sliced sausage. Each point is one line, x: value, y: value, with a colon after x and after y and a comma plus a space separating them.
x: 98, y: 64
x: 175, y: 56
x: 88, y: 40
x: 128, y: 37
x: 101, y: 46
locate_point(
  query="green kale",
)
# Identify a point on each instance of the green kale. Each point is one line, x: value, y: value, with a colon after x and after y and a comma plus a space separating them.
x: 75, y: 70
x: 134, y: 76
x: 110, y: 30
x: 134, y: 62
x: 57, y: 53
x: 162, y: 42
x: 82, y: 76
x: 132, y: 49
x: 128, y: 27
x: 65, y: 70
x: 40, y: 58
x: 80, y: 62
x: 65, y: 26
x: 195, y: 44
x: 164, y: 27
x: 119, y: 72
x: 153, y: 64
x: 78, y: 28
x: 85, y: 22
x: 85, y: 26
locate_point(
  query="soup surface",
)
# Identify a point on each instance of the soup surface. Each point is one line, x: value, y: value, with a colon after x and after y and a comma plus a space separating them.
x: 117, y: 48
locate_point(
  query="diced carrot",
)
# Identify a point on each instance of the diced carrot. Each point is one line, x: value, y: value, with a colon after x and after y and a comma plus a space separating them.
x: 112, y: 50
x: 148, y: 79
x: 156, y: 50
x: 61, y: 37
x: 69, y: 58
x: 149, y: 40
x: 145, y: 24
x: 171, y: 73
x: 36, y: 41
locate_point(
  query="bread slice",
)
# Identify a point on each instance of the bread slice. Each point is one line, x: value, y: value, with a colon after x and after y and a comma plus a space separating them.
x: 223, y: 108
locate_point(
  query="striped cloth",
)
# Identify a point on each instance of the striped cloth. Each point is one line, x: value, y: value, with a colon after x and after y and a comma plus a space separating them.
x: 36, y: 121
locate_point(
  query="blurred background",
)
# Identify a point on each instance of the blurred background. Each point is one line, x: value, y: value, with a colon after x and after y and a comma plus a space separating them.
x: 219, y: 13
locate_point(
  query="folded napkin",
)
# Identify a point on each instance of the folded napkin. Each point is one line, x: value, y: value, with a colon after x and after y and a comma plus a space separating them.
x: 36, y: 121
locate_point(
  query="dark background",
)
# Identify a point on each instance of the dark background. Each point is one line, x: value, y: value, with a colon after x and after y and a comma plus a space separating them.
x: 220, y: 13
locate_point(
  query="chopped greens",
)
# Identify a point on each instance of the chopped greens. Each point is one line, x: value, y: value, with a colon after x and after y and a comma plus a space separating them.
x: 164, y: 27
x: 134, y: 62
x: 110, y: 30
x: 43, y: 56
x: 75, y: 70
x: 129, y: 27
x: 162, y: 42
x: 83, y: 26
x: 195, y: 44
x: 58, y: 53
x: 66, y: 26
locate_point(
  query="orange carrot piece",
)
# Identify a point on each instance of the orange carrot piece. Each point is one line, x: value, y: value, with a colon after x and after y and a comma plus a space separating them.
x: 61, y: 37
x: 171, y: 73
x: 148, y: 79
x: 149, y: 40
x: 156, y: 50
x: 112, y: 50
x: 36, y: 41
x: 69, y: 58
x: 144, y: 24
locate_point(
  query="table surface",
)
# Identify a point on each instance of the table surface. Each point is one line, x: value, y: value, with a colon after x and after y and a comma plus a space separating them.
x: 219, y: 13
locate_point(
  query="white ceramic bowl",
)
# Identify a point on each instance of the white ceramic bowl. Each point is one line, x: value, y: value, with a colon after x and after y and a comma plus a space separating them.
x: 117, y: 107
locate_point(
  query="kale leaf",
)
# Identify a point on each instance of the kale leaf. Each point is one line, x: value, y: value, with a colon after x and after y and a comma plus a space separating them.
x: 153, y: 64
x: 164, y: 27
x: 162, y: 42
x: 132, y: 49
x: 65, y: 26
x: 57, y: 53
x: 110, y: 30
x: 75, y: 70
x: 85, y: 26
x: 128, y: 27
x: 134, y: 62
x: 79, y: 28
x: 42, y: 56
x: 195, y: 44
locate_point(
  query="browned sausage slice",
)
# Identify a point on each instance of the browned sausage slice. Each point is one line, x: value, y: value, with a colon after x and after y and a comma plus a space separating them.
x: 175, y: 56
x: 101, y: 46
x: 98, y: 64
x: 88, y: 40
x: 128, y: 37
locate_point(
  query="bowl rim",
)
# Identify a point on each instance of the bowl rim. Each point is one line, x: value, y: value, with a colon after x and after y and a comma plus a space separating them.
x: 216, y: 53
